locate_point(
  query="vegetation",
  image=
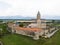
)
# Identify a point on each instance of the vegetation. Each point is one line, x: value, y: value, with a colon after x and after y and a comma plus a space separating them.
x: 15, y: 39
x: 1, y: 21
x: 3, y: 29
x: 22, y: 24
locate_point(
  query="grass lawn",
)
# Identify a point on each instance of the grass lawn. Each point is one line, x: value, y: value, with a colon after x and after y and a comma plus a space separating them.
x: 15, y: 39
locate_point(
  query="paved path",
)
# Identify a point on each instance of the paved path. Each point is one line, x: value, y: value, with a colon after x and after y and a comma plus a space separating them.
x: 49, y: 35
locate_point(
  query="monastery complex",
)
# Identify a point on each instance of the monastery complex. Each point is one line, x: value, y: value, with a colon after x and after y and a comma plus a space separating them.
x: 35, y: 28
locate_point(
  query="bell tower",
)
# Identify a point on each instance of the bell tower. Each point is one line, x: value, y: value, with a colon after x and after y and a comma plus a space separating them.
x: 38, y: 20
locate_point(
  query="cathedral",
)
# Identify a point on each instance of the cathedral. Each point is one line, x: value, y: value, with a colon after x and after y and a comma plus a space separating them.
x: 35, y: 28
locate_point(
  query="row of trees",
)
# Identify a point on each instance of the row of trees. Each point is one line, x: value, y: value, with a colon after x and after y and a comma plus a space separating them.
x: 3, y: 29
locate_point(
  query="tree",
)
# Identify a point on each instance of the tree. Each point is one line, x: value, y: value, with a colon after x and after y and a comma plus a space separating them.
x: 1, y: 33
x: 1, y: 21
x: 22, y: 24
x: 3, y: 29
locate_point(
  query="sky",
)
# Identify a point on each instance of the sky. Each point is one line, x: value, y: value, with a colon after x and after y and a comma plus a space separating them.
x: 29, y: 8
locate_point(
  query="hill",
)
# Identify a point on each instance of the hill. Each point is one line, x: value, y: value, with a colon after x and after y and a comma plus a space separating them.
x: 27, y: 17
x: 15, y: 17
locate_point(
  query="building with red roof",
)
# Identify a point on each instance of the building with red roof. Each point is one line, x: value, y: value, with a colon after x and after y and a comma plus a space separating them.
x: 35, y: 29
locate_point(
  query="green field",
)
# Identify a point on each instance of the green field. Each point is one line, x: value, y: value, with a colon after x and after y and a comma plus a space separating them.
x: 15, y: 39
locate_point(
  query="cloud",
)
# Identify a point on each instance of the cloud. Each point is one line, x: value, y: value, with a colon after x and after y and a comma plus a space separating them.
x: 4, y: 7
x: 31, y: 7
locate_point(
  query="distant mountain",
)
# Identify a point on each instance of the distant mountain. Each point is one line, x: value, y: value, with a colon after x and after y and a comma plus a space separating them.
x: 15, y: 17
x: 21, y: 17
x: 51, y: 17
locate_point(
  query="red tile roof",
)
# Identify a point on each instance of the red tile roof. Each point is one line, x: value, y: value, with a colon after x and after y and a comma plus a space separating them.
x: 22, y: 28
x: 29, y: 29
